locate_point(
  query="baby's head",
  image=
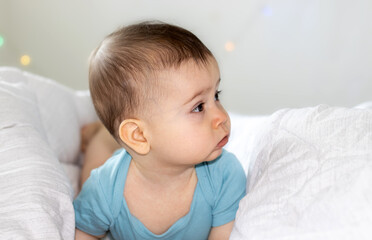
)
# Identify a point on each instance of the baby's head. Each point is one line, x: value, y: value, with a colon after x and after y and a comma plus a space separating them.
x: 155, y: 86
x: 124, y: 68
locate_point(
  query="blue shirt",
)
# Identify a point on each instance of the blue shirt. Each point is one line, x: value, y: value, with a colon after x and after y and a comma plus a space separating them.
x: 101, y: 207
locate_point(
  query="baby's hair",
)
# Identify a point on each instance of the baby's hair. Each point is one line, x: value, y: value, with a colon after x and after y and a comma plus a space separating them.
x: 122, y: 71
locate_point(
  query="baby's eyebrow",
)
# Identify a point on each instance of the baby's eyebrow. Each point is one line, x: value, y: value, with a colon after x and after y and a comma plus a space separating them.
x: 197, y: 94
x: 202, y: 91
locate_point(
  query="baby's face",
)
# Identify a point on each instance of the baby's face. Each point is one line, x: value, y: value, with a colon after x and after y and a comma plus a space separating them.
x: 189, y: 124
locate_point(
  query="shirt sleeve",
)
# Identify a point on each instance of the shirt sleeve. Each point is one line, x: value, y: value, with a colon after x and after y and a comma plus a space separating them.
x: 92, y: 212
x: 230, y: 183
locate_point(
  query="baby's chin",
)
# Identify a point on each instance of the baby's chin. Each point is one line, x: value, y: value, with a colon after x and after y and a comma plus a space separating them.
x: 215, y: 154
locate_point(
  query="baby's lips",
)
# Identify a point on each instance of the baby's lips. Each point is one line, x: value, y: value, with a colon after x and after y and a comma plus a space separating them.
x: 223, y: 142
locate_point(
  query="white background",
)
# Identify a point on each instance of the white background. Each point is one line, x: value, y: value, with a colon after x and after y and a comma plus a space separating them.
x: 288, y: 53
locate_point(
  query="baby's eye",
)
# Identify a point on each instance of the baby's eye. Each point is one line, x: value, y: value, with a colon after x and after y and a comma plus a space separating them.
x: 198, y: 108
x: 217, y: 96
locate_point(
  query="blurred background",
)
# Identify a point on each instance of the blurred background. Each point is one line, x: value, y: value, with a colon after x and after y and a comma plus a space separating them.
x: 272, y: 54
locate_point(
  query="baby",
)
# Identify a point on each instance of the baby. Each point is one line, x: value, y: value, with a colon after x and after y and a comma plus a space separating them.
x: 155, y: 88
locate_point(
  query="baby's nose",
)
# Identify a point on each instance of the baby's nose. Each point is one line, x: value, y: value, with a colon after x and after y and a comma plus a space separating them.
x: 220, y: 117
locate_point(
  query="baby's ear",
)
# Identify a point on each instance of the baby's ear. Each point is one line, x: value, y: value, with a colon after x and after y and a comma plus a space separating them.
x: 131, y: 133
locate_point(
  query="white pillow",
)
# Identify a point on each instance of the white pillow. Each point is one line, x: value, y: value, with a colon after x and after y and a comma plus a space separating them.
x: 40, y: 124
x: 62, y: 111
x: 311, y: 178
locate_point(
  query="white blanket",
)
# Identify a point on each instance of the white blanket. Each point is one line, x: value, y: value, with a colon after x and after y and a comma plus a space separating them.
x: 311, y: 178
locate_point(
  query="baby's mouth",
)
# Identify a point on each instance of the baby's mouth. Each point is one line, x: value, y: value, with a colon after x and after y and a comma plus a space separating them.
x: 223, y: 142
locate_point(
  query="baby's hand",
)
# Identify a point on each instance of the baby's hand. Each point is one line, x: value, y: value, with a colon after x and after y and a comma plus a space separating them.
x: 87, y: 133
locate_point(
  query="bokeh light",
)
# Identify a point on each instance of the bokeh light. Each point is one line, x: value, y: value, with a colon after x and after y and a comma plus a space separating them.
x: 25, y: 60
x: 1, y: 41
x: 229, y: 46
x: 267, y: 11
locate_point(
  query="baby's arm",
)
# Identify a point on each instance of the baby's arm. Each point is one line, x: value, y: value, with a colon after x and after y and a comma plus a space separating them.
x: 99, y: 147
x: 221, y: 232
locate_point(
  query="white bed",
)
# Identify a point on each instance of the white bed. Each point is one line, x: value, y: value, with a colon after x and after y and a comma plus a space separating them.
x: 310, y: 169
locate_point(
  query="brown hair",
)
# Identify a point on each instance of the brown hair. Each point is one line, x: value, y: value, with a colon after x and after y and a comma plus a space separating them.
x: 123, y: 68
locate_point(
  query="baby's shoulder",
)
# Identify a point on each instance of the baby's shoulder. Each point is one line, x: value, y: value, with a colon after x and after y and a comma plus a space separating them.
x: 112, y: 166
x: 109, y: 175
x: 224, y: 167
x: 222, y: 178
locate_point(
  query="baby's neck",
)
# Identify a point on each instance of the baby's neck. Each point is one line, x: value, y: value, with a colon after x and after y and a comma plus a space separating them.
x: 165, y: 178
